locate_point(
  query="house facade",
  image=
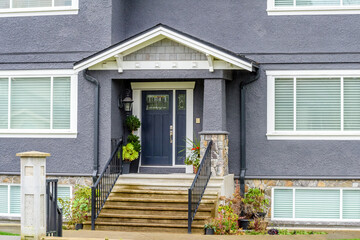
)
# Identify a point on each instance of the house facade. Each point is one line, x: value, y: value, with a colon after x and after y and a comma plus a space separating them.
x: 274, y: 83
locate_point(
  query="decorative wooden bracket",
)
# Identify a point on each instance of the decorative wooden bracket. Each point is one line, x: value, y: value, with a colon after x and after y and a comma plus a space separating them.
x: 211, y: 62
x: 119, y: 61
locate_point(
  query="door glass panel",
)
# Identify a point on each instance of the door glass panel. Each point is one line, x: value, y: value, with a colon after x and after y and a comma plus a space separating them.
x: 181, y: 103
x: 157, y: 102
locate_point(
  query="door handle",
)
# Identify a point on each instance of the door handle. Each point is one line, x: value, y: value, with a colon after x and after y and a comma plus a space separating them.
x: 171, y: 134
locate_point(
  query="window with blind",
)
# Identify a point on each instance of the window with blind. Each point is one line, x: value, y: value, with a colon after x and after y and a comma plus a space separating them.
x: 312, y: 6
x: 36, y: 105
x: 316, y: 204
x: 314, y: 106
x: 10, y: 198
x: 38, y: 6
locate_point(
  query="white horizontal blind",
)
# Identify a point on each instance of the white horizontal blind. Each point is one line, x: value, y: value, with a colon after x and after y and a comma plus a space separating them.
x: 15, y: 200
x: 62, y: 3
x: 63, y: 193
x: 351, y: 204
x: 284, y: 104
x: 4, y: 4
x: 305, y: 3
x: 30, y: 103
x: 4, y: 199
x: 282, y: 3
x: 352, y: 104
x: 317, y: 2
x: 317, y: 203
x: 31, y: 3
x: 61, y: 102
x: 283, y: 203
x: 351, y: 2
x: 318, y: 104
x: 4, y: 88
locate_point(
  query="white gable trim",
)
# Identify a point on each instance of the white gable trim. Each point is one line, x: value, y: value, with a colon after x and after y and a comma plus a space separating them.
x: 158, y: 34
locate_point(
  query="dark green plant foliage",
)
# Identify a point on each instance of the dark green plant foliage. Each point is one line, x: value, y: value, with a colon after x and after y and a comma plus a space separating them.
x: 288, y: 232
x: 256, y: 198
x: 134, y: 140
x: 132, y: 123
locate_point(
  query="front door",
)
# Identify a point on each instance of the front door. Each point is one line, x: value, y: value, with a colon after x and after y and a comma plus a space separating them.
x: 157, y: 128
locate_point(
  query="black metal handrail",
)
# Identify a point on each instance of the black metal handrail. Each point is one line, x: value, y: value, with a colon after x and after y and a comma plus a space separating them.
x: 53, y: 212
x: 197, y: 189
x: 102, y: 188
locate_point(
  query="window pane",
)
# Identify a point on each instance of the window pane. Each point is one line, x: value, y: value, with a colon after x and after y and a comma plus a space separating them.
x: 157, y: 102
x: 317, y: 2
x: 31, y: 3
x: 284, y: 104
x: 4, y: 199
x: 4, y: 88
x: 351, y: 103
x: 15, y: 206
x: 318, y: 104
x: 283, y: 203
x: 181, y: 103
x: 351, y: 2
x: 351, y: 204
x: 281, y: 3
x: 316, y: 203
x: 4, y: 4
x: 63, y: 3
x: 61, y: 103
x: 63, y: 193
x: 30, y: 103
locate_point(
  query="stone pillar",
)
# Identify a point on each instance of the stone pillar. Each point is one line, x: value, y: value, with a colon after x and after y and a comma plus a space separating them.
x: 214, y: 126
x: 33, y: 195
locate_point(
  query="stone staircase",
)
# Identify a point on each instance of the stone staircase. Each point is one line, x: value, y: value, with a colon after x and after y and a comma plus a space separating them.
x: 156, y: 203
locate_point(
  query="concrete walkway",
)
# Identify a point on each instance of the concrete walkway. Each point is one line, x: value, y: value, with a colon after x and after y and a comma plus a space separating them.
x: 97, y: 235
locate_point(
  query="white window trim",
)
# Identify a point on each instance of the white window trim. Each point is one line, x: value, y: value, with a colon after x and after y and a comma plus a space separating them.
x: 310, y: 10
x: 304, y: 135
x: 46, y: 133
x: 41, y: 11
x: 10, y: 214
x: 311, y: 219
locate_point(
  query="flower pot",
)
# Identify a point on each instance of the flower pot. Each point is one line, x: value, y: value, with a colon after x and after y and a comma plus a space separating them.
x: 209, y: 231
x: 189, y: 169
x: 195, y: 169
x: 244, y: 223
x: 134, y: 165
x: 79, y: 226
x: 125, y: 167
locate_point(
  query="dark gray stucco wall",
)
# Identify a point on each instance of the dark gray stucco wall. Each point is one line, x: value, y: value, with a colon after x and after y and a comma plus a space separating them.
x: 118, y: 21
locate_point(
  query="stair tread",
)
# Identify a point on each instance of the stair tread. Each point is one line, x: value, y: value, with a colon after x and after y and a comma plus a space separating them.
x: 149, y: 191
x: 167, y: 225
x: 120, y: 183
x: 155, y: 208
x: 137, y: 216
x: 185, y: 200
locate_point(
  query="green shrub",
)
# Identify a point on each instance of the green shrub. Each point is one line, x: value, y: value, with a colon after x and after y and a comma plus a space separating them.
x: 132, y: 123
x: 129, y: 153
x: 134, y: 140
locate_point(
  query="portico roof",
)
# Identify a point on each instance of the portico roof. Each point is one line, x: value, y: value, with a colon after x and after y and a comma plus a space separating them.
x: 214, y: 57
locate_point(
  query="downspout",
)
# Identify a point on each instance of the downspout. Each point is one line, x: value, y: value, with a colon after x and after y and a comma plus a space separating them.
x: 96, y: 124
x: 255, y: 77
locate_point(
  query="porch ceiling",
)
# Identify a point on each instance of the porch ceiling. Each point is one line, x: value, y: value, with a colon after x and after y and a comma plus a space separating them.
x: 120, y: 56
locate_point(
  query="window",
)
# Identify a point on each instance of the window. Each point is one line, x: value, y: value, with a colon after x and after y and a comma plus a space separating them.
x: 316, y: 204
x: 38, y: 105
x: 10, y: 199
x: 10, y: 8
x: 314, y: 107
x: 299, y: 7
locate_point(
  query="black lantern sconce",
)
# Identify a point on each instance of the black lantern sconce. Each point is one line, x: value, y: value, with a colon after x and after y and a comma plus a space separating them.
x: 126, y: 103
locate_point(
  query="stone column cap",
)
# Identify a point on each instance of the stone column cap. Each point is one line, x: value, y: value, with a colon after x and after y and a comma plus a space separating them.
x: 214, y: 133
x: 34, y: 154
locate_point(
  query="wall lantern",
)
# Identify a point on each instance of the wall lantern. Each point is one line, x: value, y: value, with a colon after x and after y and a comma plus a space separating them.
x: 127, y: 102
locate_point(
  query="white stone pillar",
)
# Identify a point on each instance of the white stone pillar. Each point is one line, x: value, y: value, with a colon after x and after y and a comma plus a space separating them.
x: 33, y: 195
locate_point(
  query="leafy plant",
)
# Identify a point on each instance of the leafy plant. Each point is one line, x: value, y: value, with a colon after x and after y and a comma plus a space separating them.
x: 256, y: 198
x: 77, y: 209
x: 245, y: 211
x: 210, y: 224
x: 259, y: 225
x: 129, y: 153
x: 193, y: 152
x: 134, y: 140
x: 132, y: 123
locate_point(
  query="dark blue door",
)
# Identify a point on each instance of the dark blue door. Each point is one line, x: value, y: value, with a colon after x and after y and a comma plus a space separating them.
x: 157, y: 128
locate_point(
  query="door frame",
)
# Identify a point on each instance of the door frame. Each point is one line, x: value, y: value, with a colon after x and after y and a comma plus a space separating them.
x: 138, y: 87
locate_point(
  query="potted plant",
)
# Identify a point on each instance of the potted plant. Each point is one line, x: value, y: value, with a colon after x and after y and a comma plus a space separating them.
x: 129, y: 154
x: 210, y: 227
x: 193, y: 155
x: 133, y: 124
x: 77, y: 210
x: 255, y: 197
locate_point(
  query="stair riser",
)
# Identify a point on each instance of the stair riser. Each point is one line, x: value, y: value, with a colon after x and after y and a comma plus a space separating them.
x: 149, y: 212
x: 162, y: 196
x: 155, y: 186
x: 143, y: 229
x: 155, y: 204
x: 159, y: 221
